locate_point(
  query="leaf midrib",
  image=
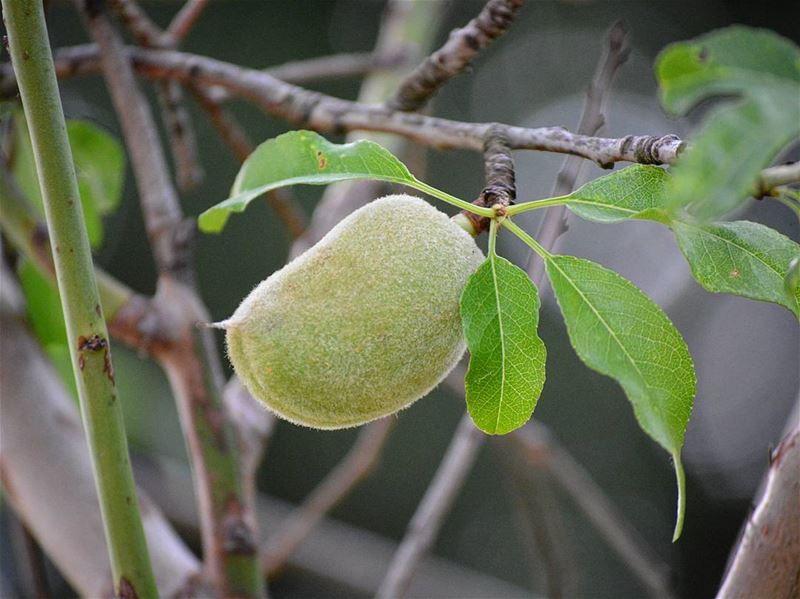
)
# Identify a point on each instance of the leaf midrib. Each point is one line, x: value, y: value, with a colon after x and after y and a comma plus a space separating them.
x: 604, y: 323
x: 607, y: 206
x: 492, y: 259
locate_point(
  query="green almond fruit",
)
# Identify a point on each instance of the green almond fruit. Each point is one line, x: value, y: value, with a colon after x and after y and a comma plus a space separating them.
x: 362, y: 324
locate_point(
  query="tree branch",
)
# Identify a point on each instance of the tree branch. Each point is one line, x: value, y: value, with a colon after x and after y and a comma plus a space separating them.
x: 438, y: 499
x: 775, y: 176
x: 537, y: 445
x: 170, y: 95
x: 191, y: 362
x: 766, y: 562
x: 554, y: 222
x: 87, y: 335
x: 501, y: 187
x: 355, y: 467
x: 46, y: 473
x: 325, y: 113
x: 183, y: 22
x: 461, y: 48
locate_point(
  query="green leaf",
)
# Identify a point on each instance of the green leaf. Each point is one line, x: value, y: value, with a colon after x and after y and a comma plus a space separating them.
x: 500, y: 314
x: 305, y: 157
x: 99, y: 164
x: 620, y: 332
x: 732, y: 60
x: 637, y: 192
x: 721, y: 167
x: 742, y: 258
x: 43, y: 304
x: 724, y: 162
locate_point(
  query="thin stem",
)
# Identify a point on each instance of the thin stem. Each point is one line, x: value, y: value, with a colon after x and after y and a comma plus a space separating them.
x: 438, y: 499
x: 681, y: 509
x: 88, y: 338
x: 446, y: 197
x: 527, y: 239
x: 354, y: 468
x: 536, y: 205
x: 462, y: 47
x: 492, y: 237
x: 183, y: 22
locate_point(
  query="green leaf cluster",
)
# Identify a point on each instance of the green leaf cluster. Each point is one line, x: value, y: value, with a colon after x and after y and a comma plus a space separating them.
x: 761, y: 72
x: 613, y: 326
x: 99, y: 165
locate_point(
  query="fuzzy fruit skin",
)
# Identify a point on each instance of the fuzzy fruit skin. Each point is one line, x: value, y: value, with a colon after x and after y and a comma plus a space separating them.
x: 362, y: 324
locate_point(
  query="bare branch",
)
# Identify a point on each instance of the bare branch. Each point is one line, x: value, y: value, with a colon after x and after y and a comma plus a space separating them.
x: 236, y: 139
x: 339, y: 66
x: 183, y: 22
x: 554, y: 223
x: 191, y: 362
x: 430, y: 514
x: 349, y: 557
x: 144, y: 31
x: 325, y: 113
x: 254, y: 425
x: 170, y: 96
x: 501, y: 187
x: 461, y: 48
x: 355, y: 467
x: 537, y: 445
x: 46, y: 473
x: 766, y: 562
x: 158, y: 198
x: 189, y: 173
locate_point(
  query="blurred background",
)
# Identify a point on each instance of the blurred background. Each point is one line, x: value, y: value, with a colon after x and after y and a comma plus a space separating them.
x: 746, y: 353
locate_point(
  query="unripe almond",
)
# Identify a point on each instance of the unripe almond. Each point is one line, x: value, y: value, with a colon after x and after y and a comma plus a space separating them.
x: 362, y: 324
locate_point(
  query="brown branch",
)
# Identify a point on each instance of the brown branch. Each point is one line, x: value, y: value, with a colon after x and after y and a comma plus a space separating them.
x: 46, y: 471
x: 554, y: 222
x: 183, y: 143
x: 461, y: 48
x: 254, y: 425
x: 191, y: 362
x: 325, y: 113
x: 170, y: 96
x: 541, y: 528
x: 159, y: 201
x: 280, y: 200
x: 430, y: 514
x: 539, y: 448
x: 766, y: 562
x: 144, y: 31
x: 501, y: 187
x: 355, y: 467
x: 183, y: 22
x: 351, y: 558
